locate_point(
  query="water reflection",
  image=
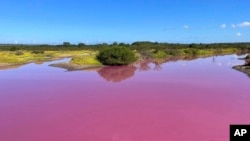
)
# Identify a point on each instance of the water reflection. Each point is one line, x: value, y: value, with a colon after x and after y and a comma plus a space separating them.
x: 144, y: 65
x: 121, y: 73
x: 117, y: 73
x: 147, y: 65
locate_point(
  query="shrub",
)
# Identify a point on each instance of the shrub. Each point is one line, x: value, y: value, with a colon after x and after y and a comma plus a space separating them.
x: 13, y: 49
x: 81, y: 45
x: 116, y: 56
x: 159, y: 54
x: 145, y: 54
x: 37, y: 52
x: 173, y: 52
x: 191, y: 51
x: 66, y: 43
x: 19, y: 53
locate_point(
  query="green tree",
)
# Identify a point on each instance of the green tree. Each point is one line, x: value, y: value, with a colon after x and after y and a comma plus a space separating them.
x: 13, y: 48
x: 115, y: 44
x: 122, y: 44
x: 116, y: 56
x: 81, y: 45
x: 66, y: 43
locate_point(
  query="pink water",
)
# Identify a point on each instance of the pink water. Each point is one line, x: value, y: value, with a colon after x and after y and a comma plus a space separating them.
x: 177, y: 101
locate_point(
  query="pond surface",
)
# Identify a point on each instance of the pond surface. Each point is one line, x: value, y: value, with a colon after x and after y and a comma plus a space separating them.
x: 193, y: 100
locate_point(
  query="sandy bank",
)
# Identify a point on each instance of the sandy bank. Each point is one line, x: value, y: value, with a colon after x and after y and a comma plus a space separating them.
x: 72, y: 67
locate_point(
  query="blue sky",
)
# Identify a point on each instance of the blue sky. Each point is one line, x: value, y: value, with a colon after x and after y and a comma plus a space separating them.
x: 96, y: 21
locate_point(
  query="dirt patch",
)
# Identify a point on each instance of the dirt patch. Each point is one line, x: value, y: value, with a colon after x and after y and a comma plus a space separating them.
x: 7, y: 66
x: 73, y: 67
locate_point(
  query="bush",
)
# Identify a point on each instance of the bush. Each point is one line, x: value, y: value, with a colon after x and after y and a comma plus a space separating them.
x: 13, y: 49
x: 191, y: 51
x: 173, y: 52
x: 116, y: 56
x: 19, y: 53
x: 159, y: 54
x: 145, y: 54
x: 37, y: 52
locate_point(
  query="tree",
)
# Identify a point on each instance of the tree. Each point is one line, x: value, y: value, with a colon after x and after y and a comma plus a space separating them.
x: 13, y: 48
x: 116, y: 56
x: 81, y: 45
x: 66, y: 43
x: 122, y: 44
x: 115, y: 44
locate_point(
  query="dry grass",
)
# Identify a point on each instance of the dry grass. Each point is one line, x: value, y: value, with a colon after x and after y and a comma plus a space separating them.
x: 22, y: 57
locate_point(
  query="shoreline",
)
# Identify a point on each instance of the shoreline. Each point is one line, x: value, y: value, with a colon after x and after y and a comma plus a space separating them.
x: 243, y: 68
x: 4, y: 66
x: 74, y: 67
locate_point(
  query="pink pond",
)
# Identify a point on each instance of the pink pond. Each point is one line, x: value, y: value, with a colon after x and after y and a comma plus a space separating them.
x: 192, y: 100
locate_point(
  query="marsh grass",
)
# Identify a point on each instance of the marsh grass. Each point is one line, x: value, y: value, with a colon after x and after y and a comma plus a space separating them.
x: 85, y: 60
x: 187, y: 52
x: 22, y: 57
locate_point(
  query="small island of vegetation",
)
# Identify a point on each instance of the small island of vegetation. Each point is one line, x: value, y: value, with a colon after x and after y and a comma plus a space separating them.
x: 116, y: 56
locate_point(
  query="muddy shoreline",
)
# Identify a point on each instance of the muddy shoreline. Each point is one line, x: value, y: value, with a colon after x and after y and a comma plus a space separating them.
x: 244, y: 68
x: 74, y: 67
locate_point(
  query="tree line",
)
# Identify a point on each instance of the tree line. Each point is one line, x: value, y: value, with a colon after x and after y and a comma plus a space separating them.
x: 139, y: 45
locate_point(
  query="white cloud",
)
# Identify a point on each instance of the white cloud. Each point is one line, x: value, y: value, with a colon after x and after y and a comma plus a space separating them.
x: 244, y: 24
x: 238, y: 34
x: 223, y: 26
x: 186, y: 27
x: 233, y: 25
x: 15, y: 41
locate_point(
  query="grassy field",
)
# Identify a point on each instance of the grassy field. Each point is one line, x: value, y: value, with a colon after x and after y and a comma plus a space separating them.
x: 22, y: 57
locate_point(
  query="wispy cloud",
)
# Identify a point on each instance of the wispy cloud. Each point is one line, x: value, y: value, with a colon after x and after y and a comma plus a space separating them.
x: 223, y: 26
x: 233, y: 26
x: 238, y: 34
x: 244, y: 24
x: 186, y: 27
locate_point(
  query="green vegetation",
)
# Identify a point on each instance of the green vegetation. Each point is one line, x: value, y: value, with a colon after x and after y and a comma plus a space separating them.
x: 38, y: 52
x: 114, y: 53
x: 116, y: 56
x: 85, y: 59
x: 22, y: 56
x: 19, y: 57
